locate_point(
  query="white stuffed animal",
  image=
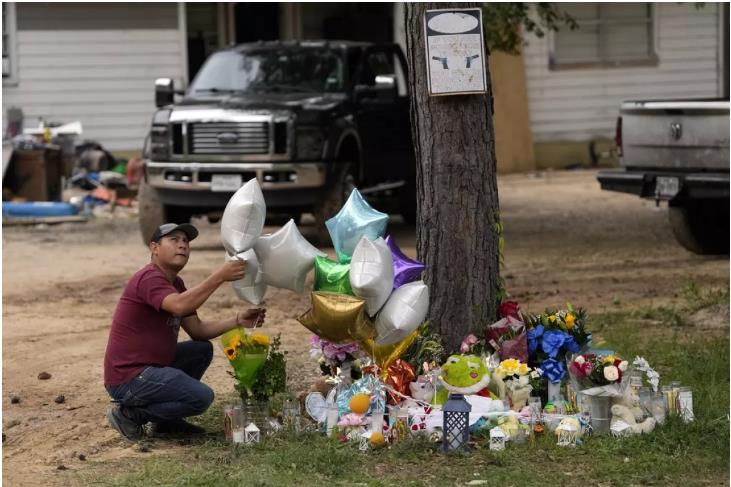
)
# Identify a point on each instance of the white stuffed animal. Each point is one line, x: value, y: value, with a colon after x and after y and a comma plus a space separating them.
x: 623, y: 413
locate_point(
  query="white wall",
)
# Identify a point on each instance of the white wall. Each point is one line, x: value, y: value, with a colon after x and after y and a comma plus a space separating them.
x: 104, y: 78
x: 580, y: 104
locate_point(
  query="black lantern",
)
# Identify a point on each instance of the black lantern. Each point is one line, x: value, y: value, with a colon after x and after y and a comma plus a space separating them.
x: 456, y: 426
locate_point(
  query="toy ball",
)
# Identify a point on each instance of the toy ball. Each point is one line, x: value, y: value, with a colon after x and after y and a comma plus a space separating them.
x: 377, y: 439
x: 360, y: 403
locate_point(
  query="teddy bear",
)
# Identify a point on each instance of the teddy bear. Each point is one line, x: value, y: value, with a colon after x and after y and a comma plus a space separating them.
x: 631, y: 401
x: 422, y: 389
x: 625, y: 414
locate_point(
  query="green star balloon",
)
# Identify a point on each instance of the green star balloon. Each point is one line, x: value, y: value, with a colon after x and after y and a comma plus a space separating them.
x: 332, y: 276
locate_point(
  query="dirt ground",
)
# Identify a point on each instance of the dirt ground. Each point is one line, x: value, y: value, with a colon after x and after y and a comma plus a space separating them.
x: 565, y: 241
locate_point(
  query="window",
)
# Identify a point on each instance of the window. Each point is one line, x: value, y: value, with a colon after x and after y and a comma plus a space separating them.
x: 9, y: 57
x: 609, y: 34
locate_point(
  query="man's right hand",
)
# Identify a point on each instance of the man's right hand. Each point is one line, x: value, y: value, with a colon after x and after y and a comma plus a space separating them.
x: 233, y: 270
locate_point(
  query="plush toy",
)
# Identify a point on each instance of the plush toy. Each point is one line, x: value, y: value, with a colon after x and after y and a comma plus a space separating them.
x: 422, y: 389
x: 631, y: 401
x: 623, y: 413
x: 463, y: 374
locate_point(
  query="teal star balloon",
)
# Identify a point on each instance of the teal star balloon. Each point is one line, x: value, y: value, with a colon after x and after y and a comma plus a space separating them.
x: 332, y: 276
x: 355, y: 220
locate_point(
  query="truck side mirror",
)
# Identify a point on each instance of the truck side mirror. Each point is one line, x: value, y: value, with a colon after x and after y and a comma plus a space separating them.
x: 164, y: 92
x: 384, y: 90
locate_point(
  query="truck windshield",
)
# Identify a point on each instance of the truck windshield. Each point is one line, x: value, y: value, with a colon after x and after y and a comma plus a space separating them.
x: 304, y: 70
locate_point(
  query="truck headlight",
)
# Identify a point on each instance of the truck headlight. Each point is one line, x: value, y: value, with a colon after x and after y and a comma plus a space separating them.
x: 160, y: 136
x: 160, y: 142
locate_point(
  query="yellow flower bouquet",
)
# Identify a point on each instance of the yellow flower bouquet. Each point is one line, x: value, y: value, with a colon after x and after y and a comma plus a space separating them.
x: 246, y: 353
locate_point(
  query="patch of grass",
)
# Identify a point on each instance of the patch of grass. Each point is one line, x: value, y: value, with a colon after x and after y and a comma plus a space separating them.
x: 674, y: 454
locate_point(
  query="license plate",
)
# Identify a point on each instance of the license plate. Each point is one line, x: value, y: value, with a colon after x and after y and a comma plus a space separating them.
x: 666, y: 186
x: 225, y: 182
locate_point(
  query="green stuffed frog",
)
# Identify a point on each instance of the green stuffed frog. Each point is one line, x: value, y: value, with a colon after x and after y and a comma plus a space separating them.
x: 464, y: 374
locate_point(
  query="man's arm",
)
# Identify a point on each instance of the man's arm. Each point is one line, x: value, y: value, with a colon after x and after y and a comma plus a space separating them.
x: 185, y: 303
x: 205, y: 330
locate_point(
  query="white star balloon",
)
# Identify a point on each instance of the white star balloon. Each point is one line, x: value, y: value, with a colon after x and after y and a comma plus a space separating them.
x: 371, y: 273
x: 251, y: 288
x: 355, y: 220
x: 285, y: 258
x: 404, y: 311
x: 243, y: 218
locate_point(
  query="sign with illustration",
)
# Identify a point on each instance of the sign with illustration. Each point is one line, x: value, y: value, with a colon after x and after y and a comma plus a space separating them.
x: 455, y: 51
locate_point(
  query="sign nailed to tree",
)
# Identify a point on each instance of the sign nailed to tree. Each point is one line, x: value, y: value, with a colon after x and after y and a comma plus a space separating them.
x: 455, y: 51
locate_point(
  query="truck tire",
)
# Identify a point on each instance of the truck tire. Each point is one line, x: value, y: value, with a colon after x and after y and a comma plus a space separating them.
x: 335, y: 193
x: 701, y: 226
x: 151, y: 211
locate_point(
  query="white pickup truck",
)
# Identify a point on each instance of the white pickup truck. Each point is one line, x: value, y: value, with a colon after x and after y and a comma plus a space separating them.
x: 678, y: 151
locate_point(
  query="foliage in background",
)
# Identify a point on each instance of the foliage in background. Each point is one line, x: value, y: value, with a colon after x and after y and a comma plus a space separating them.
x: 427, y: 347
x: 503, y: 22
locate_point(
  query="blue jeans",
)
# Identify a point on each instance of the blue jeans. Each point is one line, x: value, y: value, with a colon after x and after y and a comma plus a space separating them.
x: 161, y: 394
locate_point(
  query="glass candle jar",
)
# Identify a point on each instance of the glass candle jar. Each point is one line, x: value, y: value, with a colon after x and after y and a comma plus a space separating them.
x: 667, y: 393
x: 658, y: 408
x: 238, y: 424
x: 685, y: 404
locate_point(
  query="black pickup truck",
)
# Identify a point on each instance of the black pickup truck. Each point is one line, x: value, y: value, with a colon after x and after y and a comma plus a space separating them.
x: 309, y: 120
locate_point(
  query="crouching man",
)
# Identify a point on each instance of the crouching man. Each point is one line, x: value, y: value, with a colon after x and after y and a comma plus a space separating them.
x: 150, y: 376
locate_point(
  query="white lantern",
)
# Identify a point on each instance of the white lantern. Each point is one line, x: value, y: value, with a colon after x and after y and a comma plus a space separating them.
x: 365, y: 439
x: 497, y: 438
x: 620, y: 429
x: 567, y: 434
x: 251, y: 434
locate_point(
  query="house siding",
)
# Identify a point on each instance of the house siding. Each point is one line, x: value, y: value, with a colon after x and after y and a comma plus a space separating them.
x: 98, y: 68
x: 583, y: 104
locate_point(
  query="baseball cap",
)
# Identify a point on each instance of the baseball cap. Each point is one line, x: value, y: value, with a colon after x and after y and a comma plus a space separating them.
x: 167, y: 228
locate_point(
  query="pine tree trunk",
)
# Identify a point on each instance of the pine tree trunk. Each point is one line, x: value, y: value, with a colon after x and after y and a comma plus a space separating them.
x: 457, y: 200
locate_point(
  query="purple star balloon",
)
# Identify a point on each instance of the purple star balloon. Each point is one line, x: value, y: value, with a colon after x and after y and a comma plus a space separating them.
x: 405, y: 270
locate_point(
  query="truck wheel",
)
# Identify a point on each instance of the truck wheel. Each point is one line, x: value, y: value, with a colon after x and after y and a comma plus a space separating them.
x: 151, y: 211
x: 334, y: 195
x: 701, y: 226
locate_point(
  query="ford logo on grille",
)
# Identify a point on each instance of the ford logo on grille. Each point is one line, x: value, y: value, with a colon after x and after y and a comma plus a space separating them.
x: 227, y: 138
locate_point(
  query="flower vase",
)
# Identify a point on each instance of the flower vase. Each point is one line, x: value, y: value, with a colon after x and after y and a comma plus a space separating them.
x: 554, y: 391
x: 600, y: 413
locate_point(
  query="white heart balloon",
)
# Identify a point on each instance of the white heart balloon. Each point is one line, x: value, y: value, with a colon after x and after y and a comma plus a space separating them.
x: 243, y: 218
x: 371, y: 273
x: 251, y: 288
x: 404, y: 311
x: 285, y: 258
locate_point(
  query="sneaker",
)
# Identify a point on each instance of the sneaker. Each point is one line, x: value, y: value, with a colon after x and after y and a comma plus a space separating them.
x: 125, y: 426
x: 177, y: 427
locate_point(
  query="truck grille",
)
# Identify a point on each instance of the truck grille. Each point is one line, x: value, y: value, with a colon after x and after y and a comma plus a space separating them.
x: 229, y: 138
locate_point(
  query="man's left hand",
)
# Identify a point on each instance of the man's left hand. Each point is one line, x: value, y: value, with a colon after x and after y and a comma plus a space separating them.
x: 251, y: 318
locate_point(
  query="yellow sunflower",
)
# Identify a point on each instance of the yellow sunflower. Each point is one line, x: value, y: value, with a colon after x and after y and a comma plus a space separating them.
x: 262, y: 340
x: 569, y: 320
x: 230, y: 352
x: 235, y: 341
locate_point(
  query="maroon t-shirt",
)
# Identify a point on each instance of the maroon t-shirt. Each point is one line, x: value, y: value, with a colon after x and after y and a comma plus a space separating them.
x: 142, y: 334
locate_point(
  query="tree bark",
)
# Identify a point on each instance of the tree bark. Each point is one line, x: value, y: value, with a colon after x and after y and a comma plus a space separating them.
x: 457, y: 200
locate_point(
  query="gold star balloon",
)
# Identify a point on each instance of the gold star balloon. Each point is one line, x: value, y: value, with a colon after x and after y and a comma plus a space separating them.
x: 338, y: 318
